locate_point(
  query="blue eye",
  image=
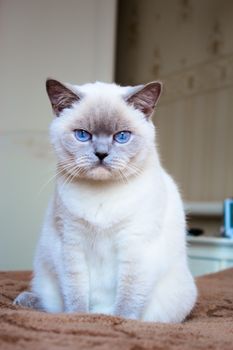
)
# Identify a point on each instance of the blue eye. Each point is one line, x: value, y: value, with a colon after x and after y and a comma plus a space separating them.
x: 82, y: 135
x: 122, y: 136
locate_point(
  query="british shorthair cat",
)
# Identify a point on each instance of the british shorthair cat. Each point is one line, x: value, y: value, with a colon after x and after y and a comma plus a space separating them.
x: 114, y: 236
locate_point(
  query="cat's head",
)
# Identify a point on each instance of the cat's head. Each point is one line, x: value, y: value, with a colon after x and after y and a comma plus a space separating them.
x: 102, y: 131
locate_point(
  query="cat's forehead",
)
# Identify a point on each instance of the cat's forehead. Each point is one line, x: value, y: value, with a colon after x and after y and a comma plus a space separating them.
x: 102, y: 116
x: 103, y: 109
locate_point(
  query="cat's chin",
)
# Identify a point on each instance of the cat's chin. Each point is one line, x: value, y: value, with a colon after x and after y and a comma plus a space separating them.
x: 100, y: 173
x: 105, y: 173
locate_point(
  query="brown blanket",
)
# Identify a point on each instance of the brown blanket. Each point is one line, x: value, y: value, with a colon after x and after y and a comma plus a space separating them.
x: 210, y: 326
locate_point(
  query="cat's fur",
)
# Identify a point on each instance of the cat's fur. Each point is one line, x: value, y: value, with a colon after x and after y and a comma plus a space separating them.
x: 113, y: 239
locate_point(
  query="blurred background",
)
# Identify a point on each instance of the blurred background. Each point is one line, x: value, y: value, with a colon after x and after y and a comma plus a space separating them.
x: 187, y: 44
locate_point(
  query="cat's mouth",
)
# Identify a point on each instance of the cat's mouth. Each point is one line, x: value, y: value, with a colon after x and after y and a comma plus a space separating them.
x: 100, y: 171
x: 102, y: 164
x: 102, y: 167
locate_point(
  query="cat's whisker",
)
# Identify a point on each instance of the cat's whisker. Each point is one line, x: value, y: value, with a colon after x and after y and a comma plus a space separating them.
x: 72, y: 159
x: 65, y: 182
x: 134, y: 169
x: 57, y: 165
x: 122, y: 176
x: 52, y: 178
x: 62, y: 168
x: 74, y: 172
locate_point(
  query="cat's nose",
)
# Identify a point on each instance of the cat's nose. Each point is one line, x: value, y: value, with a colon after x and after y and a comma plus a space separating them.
x: 101, y: 155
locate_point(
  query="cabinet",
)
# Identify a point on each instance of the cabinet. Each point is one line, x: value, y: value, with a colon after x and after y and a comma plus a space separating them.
x: 209, y: 254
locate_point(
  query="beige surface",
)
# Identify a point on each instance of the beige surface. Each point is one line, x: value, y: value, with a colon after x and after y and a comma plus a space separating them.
x: 209, y: 327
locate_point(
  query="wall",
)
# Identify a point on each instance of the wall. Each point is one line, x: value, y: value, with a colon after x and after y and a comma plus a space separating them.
x: 72, y: 41
x: 188, y: 45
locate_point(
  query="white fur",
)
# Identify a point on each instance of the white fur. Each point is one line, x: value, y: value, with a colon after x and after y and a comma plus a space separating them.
x: 113, y: 227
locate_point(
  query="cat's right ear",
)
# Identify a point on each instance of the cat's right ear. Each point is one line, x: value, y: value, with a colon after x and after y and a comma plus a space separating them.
x: 60, y: 96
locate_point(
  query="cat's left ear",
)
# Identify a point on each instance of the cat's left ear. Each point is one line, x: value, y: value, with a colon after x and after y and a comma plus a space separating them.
x: 146, y: 98
x: 60, y: 96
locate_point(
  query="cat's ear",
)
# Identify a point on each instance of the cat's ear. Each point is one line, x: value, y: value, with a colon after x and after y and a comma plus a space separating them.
x: 146, y: 97
x: 60, y: 96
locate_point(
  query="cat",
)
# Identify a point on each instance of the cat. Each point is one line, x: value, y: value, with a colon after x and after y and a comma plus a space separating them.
x: 114, y: 236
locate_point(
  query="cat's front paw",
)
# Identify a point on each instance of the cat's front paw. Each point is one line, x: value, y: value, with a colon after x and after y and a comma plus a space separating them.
x: 75, y: 306
x: 102, y: 309
x: 129, y: 314
x: 28, y: 299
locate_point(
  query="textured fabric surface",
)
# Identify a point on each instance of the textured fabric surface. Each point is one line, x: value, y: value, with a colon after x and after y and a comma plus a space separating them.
x: 210, y: 326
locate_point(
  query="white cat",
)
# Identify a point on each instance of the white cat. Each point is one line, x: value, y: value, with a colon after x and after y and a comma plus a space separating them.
x: 114, y: 239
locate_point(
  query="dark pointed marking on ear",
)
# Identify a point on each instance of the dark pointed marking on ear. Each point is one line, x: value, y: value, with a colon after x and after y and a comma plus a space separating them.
x: 60, y: 96
x: 146, y: 98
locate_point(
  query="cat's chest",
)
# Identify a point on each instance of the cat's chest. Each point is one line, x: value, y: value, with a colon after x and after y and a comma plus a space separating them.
x: 98, y: 209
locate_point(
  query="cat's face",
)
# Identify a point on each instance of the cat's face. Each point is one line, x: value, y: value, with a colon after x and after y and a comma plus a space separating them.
x: 102, y: 131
